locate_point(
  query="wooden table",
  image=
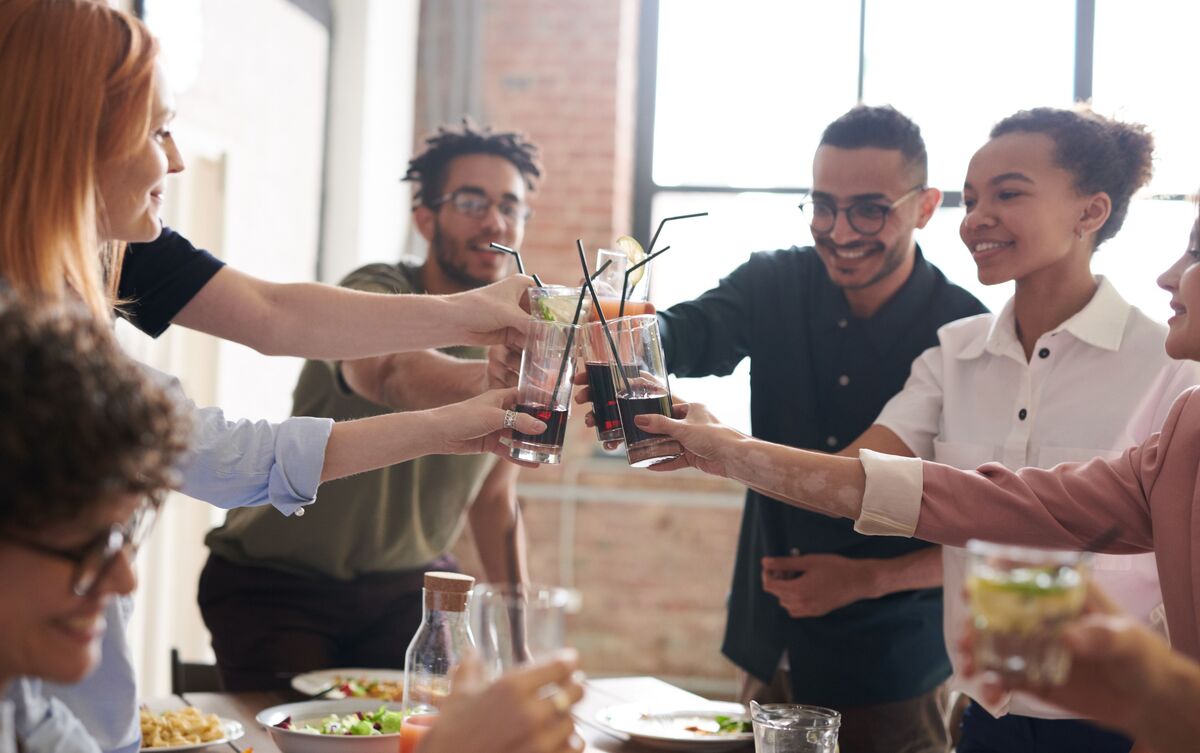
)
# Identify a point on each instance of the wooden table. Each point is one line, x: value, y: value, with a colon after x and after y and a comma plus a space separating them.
x: 598, y: 694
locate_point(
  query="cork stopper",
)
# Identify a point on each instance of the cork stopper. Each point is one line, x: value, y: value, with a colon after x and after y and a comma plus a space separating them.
x: 447, y: 591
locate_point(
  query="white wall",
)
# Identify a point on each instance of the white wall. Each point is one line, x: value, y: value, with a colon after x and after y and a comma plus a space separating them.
x: 250, y: 79
x: 367, y: 215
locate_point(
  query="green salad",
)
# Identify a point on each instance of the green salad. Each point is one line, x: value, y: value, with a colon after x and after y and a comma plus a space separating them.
x: 379, y: 722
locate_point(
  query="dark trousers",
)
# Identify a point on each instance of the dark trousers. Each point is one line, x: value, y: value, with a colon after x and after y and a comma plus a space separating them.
x: 983, y: 733
x: 268, y: 626
x: 914, y: 725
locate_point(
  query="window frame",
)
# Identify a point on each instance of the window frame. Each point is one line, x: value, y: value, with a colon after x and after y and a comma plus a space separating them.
x: 645, y: 190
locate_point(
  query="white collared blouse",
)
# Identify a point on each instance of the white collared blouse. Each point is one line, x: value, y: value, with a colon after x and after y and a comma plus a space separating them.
x: 1095, y: 385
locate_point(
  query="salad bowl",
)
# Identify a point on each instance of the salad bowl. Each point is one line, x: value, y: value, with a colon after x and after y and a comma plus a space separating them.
x: 294, y: 727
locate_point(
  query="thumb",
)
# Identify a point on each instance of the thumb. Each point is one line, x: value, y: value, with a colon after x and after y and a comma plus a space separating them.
x: 658, y: 424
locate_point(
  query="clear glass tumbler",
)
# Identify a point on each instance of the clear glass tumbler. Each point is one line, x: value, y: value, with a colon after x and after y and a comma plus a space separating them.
x: 639, y: 376
x: 544, y: 390
x: 794, y: 728
x: 1020, y: 598
x: 521, y: 624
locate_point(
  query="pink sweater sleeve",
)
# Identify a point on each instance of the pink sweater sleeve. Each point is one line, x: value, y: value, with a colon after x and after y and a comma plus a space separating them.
x: 1065, y: 507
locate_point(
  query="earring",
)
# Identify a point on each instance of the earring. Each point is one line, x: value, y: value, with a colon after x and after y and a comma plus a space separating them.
x: 1079, y: 234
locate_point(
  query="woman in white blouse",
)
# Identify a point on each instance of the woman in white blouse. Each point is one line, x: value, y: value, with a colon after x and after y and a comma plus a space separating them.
x: 1068, y: 370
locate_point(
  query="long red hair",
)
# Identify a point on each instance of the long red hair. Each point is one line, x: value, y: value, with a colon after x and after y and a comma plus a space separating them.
x: 76, y: 91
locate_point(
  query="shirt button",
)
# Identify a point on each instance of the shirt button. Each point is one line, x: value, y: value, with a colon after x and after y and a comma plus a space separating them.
x: 1044, y: 353
x: 843, y: 323
x: 1021, y: 414
x: 831, y: 441
x: 843, y: 380
x: 299, y: 512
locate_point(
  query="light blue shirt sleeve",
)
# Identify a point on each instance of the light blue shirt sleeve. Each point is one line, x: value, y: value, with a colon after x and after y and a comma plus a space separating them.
x: 249, y: 463
x: 230, y: 464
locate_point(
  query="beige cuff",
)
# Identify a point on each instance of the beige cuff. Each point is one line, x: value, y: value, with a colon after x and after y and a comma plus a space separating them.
x: 892, y: 498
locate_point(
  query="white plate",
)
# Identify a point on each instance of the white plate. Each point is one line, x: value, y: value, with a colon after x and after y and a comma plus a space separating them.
x: 664, y: 727
x: 313, y: 683
x: 232, y: 729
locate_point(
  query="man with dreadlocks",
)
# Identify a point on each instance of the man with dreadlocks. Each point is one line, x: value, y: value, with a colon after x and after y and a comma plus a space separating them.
x: 341, y: 586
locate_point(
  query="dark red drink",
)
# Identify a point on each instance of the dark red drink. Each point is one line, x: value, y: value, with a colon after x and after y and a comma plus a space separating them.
x: 636, y: 406
x: 643, y: 447
x: 604, y: 402
x: 556, y: 426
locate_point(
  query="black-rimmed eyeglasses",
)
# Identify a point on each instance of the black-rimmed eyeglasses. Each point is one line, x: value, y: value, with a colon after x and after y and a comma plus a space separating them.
x: 473, y: 204
x: 865, y: 217
x: 93, y: 558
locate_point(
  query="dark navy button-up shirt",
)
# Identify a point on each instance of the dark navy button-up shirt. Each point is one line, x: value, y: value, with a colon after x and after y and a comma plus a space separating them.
x: 818, y: 378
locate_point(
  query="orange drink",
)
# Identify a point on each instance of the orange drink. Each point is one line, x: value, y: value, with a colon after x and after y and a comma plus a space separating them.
x: 612, y: 308
x: 413, y: 729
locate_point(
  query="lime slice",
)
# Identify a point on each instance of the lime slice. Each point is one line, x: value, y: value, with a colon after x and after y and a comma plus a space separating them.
x: 558, y: 308
x: 634, y: 255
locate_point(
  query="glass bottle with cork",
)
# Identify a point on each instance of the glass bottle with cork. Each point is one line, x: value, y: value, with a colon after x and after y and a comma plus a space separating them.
x: 439, y: 643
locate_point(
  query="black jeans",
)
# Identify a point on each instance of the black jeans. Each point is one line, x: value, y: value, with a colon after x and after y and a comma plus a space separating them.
x: 983, y: 733
x: 268, y: 626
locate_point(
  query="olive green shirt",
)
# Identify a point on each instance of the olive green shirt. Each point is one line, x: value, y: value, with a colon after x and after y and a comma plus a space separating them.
x: 396, y: 518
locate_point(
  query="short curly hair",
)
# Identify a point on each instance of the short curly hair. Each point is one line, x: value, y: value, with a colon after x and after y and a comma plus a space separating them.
x: 428, y: 169
x: 1102, y: 154
x: 80, y: 421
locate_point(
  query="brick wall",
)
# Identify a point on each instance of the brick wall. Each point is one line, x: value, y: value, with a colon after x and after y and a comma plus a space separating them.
x: 651, y: 554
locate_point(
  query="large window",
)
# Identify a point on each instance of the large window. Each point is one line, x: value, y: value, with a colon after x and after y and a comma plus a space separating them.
x: 735, y: 96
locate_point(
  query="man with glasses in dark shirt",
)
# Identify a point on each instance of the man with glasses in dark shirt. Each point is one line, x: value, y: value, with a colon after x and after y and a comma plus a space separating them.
x: 819, y: 614
x: 342, y: 585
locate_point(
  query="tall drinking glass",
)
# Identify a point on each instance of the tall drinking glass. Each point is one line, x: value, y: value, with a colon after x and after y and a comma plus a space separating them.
x: 794, y: 728
x: 641, y: 384
x: 1020, y: 598
x: 597, y: 359
x: 609, y: 283
x: 518, y: 625
x: 556, y: 303
x: 544, y: 391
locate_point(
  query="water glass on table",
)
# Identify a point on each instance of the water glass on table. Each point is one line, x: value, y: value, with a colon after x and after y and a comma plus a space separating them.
x: 1020, y: 599
x: 517, y: 624
x: 639, y: 376
x: 794, y: 728
x: 544, y: 390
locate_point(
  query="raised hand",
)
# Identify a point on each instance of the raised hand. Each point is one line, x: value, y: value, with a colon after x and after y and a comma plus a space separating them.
x: 707, y: 443
x: 494, y: 314
x: 503, y: 366
x: 476, y: 425
x: 1118, y: 666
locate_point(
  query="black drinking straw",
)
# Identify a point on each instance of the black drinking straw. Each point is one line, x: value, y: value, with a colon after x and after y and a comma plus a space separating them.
x: 625, y: 283
x: 665, y: 220
x: 520, y: 263
x: 600, y: 313
x: 650, y: 253
x: 562, y: 368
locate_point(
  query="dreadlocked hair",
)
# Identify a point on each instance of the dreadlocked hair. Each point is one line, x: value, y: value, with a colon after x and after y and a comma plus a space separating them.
x: 428, y: 169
